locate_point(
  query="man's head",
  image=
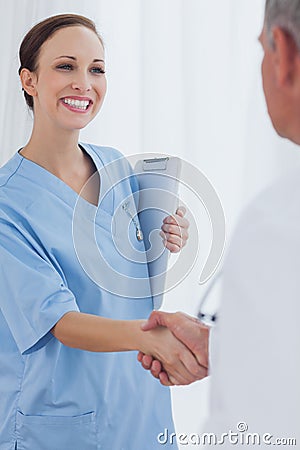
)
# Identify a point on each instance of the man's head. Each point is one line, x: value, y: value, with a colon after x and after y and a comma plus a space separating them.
x: 280, y: 39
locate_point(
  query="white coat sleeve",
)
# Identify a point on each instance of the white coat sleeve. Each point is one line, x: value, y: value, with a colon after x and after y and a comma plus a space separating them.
x: 33, y: 295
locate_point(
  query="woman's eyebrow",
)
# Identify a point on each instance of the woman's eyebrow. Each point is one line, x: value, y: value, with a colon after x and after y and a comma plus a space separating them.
x: 74, y: 59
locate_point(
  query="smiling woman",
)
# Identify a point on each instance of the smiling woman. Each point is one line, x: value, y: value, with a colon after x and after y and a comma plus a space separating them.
x: 66, y: 74
x: 38, y: 35
x: 64, y: 382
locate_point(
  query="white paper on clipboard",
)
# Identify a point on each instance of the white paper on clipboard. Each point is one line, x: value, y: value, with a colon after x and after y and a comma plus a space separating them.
x: 158, y: 182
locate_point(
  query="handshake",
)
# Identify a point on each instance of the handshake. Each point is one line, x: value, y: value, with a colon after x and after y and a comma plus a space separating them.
x: 174, y: 346
x: 178, y: 348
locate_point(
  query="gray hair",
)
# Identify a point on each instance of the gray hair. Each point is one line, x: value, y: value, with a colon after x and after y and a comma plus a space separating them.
x: 284, y: 14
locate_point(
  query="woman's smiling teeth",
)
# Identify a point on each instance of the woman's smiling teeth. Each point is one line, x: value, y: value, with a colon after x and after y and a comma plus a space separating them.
x: 80, y: 104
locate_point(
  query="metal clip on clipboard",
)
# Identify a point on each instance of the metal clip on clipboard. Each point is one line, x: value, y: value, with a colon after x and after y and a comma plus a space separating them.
x: 158, y: 182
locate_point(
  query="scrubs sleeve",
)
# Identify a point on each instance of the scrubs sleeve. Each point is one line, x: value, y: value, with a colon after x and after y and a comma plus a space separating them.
x: 33, y: 295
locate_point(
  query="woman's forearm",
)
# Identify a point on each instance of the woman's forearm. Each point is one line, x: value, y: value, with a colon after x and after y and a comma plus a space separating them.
x: 98, y: 334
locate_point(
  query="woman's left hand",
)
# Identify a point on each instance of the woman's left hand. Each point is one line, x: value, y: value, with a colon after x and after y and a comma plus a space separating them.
x: 175, y: 230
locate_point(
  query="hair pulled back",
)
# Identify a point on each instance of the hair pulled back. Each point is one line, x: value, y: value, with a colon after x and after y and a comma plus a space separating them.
x: 31, y: 45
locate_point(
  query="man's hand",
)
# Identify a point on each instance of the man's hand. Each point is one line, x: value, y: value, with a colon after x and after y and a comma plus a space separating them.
x: 189, y: 330
x: 178, y: 361
x: 175, y: 230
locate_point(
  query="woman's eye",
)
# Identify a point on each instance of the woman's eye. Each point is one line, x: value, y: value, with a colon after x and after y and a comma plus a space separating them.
x: 97, y: 70
x: 65, y: 66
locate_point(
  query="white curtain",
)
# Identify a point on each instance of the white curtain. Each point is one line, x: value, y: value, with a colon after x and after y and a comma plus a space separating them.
x: 184, y: 78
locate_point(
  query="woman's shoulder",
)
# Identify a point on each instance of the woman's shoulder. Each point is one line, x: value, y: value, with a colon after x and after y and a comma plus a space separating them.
x: 112, y: 158
x: 119, y: 166
x: 9, y: 169
x: 105, y: 153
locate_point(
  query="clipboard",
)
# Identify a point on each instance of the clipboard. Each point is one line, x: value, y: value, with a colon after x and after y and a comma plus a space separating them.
x: 158, y: 180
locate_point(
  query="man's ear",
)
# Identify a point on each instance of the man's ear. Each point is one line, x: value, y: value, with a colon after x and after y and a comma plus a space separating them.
x: 285, y: 57
x: 28, y: 80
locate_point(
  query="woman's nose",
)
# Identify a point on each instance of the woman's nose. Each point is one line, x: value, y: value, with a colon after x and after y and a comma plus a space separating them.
x: 81, y: 83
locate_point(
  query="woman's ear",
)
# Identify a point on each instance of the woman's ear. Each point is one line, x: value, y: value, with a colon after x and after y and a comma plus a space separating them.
x: 28, y: 80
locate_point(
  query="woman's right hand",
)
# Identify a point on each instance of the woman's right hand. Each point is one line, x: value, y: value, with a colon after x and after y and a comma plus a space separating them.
x: 176, y: 359
x: 100, y: 334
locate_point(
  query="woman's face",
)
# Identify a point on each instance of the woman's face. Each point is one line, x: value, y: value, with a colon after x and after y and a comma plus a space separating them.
x: 70, y: 82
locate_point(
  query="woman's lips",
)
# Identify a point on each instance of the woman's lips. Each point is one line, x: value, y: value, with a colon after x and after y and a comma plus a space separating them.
x: 79, y: 105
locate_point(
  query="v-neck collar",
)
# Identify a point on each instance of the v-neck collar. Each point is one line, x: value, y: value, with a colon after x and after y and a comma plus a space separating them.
x: 57, y: 186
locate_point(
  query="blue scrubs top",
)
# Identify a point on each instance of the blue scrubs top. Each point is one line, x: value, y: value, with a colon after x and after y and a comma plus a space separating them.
x: 53, y: 397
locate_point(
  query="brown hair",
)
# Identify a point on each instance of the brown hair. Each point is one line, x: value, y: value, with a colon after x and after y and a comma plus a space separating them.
x: 40, y: 33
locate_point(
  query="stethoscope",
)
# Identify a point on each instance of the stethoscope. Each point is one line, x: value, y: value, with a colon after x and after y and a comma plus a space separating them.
x: 209, y: 318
